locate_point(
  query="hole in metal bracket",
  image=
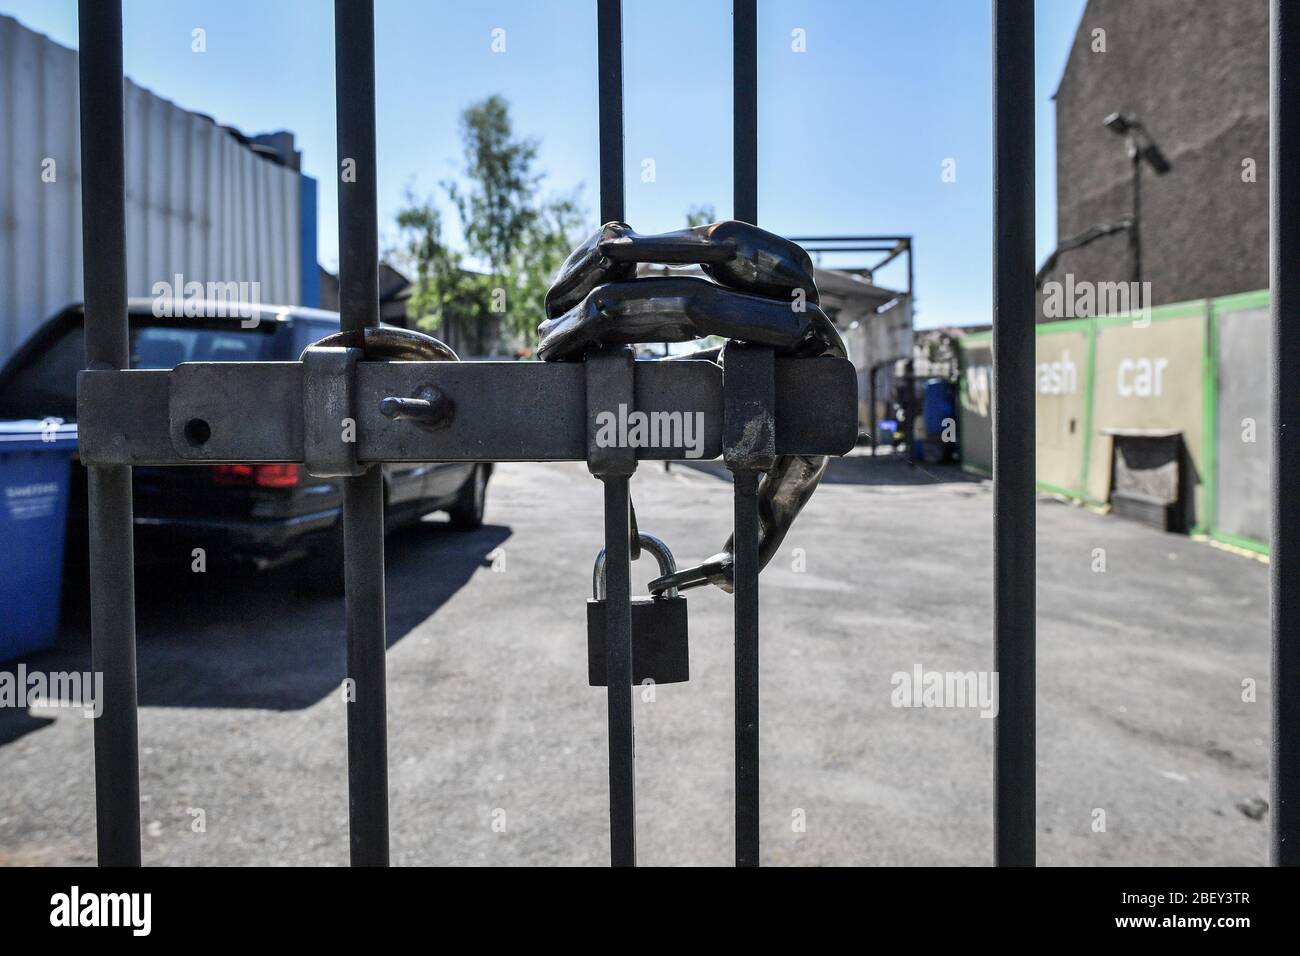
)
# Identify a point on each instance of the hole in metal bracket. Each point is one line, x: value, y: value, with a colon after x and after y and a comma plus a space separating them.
x: 197, y: 431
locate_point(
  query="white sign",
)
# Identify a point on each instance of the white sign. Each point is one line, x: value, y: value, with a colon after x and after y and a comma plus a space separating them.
x: 1141, y: 377
x: 1059, y: 377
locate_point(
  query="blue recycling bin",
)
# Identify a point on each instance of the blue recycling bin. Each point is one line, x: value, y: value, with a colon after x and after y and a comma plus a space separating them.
x: 939, y: 405
x: 35, y: 470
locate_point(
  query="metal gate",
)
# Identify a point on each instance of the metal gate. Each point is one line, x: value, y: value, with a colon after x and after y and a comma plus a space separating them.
x: 753, y: 412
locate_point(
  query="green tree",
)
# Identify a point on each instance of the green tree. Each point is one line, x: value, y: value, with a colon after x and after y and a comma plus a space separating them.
x: 520, y: 238
x: 496, y: 203
x: 446, y: 299
x: 701, y: 215
x: 547, y: 242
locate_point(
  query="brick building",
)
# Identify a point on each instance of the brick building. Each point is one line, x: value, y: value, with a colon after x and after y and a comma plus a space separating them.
x: 1196, y: 75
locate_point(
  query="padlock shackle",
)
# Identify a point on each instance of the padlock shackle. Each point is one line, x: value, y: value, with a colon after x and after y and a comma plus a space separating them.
x: 656, y: 546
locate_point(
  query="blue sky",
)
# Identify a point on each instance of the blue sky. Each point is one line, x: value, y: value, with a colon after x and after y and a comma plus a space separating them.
x: 853, y: 133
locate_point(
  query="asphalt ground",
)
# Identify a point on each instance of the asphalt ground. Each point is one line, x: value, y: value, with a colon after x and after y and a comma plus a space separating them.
x: 1147, y: 752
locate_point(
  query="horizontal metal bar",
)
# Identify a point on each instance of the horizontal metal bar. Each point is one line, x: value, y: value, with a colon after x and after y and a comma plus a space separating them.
x: 854, y: 248
x: 894, y: 253
x: 803, y: 239
x: 208, y: 412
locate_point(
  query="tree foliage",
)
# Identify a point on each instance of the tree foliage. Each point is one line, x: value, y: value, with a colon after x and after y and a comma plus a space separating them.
x: 516, y: 236
x: 445, y: 298
x: 701, y: 214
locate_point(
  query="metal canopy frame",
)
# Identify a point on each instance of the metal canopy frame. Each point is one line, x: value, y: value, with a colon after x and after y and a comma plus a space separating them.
x: 891, y: 246
x: 756, y: 411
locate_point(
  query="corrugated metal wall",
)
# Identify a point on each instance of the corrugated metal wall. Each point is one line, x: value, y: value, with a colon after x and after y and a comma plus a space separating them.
x: 199, y: 203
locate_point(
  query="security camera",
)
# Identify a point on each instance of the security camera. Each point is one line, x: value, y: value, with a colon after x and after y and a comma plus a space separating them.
x: 1119, y: 123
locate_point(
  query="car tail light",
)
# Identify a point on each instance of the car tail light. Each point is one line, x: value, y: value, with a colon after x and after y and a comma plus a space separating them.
x: 232, y: 474
x: 276, y: 476
x: 261, y: 476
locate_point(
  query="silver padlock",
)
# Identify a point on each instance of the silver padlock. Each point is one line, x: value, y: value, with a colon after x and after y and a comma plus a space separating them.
x: 660, y: 651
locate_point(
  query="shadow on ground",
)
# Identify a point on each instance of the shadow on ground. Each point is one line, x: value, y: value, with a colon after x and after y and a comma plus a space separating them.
x: 260, y: 640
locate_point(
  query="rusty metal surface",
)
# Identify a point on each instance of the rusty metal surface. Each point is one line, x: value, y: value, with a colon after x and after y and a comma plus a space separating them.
x: 505, y: 411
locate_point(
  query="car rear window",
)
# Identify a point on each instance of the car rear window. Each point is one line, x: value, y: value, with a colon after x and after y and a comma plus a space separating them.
x: 154, y: 346
x: 46, y: 384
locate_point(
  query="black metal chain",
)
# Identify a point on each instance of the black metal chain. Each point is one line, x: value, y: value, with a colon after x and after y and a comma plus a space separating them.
x: 762, y: 292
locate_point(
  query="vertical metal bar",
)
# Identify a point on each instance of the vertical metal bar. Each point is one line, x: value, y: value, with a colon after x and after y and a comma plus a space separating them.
x: 872, y: 421
x: 910, y: 252
x: 609, y: 46
x: 609, y: 375
x: 618, y: 670
x: 112, y: 557
x: 1284, y: 566
x: 615, y: 466
x: 1013, y: 426
x: 746, y: 611
x: 363, y: 496
x: 744, y: 85
x: 909, y: 408
x: 744, y: 82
